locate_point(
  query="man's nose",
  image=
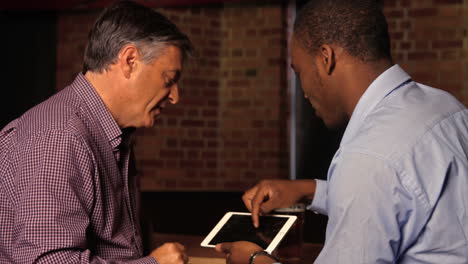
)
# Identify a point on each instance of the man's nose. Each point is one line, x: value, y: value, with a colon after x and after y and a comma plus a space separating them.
x: 174, y: 94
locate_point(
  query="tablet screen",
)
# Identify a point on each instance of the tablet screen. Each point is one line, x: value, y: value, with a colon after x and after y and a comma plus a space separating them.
x: 239, y: 227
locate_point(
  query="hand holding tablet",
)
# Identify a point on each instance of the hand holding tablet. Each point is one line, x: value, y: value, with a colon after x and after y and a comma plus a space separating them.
x: 237, y: 226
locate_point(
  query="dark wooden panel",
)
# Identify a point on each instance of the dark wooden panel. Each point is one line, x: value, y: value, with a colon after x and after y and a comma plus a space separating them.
x: 28, y: 69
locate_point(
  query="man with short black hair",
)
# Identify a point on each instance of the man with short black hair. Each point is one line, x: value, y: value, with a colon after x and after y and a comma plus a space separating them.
x: 397, y: 188
x: 67, y: 194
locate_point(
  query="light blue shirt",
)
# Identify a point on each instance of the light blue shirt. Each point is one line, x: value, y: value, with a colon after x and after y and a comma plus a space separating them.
x: 397, y: 188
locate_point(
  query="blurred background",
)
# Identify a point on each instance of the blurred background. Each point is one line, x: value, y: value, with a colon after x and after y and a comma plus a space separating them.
x: 242, y: 116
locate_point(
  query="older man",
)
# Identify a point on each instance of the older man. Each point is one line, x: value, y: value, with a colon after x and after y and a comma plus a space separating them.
x: 66, y: 192
x: 397, y: 188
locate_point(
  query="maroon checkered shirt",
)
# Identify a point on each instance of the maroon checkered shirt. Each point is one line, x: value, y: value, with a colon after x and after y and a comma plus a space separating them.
x: 65, y: 192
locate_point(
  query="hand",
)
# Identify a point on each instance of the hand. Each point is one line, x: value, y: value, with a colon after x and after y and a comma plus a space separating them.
x: 237, y: 252
x: 273, y: 194
x: 170, y: 253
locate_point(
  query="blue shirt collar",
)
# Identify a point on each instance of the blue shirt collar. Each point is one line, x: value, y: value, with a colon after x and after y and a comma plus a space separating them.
x: 391, y: 79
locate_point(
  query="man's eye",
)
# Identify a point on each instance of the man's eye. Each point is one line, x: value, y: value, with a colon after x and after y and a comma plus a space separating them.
x: 169, y: 83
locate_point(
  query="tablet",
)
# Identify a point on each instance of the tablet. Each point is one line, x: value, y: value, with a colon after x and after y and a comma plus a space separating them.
x: 237, y: 226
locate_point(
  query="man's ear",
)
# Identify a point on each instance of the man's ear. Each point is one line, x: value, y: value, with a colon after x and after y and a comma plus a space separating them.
x: 327, y: 58
x: 128, y: 57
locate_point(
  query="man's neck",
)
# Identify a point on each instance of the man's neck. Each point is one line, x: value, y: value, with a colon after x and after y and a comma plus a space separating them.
x: 359, y: 77
x: 106, y: 87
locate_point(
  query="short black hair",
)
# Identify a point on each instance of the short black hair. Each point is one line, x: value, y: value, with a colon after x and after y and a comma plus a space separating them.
x: 127, y: 22
x: 358, y: 26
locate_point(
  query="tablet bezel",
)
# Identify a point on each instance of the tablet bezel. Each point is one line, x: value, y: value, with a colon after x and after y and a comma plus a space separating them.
x: 276, y: 240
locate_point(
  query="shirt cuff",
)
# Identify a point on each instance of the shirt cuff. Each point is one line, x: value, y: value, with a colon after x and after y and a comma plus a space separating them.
x: 319, y: 203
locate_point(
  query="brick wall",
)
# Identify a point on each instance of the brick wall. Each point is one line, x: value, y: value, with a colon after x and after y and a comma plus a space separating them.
x: 230, y: 128
x: 228, y: 131
x: 429, y: 41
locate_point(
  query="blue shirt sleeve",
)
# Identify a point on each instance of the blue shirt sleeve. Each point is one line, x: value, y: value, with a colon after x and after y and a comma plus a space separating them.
x: 319, y: 203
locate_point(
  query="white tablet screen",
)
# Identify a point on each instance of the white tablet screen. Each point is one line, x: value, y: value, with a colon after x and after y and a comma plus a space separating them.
x: 239, y: 227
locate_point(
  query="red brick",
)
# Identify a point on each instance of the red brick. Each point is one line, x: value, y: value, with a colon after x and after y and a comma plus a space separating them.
x: 191, y: 164
x: 151, y: 163
x: 171, y: 153
x: 448, y: 2
x: 192, y: 113
x: 210, y: 174
x: 405, y: 45
x: 192, y: 102
x: 250, y: 32
x: 193, y: 123
x: 172, y: 163
x: 440, y: 44
x: 405, y: 3
x: 237, y: 185
x: 257, y: 123
x: 212, y: 144
x: 212, y: 164
x: 405, y: 24
x: 172, y: 121
x: 213, y: 83
x: 212, y: 124
x: 269, y: 154
x: 450, y: 55
x: 422, y: 55
x: 396, y: 35
x: 209, y: 155
x: 209, y: 134
x: 422, y: 12
x: 250, y: 174
x: 251, y: 52
x: 191, y: 184
x: 237, y: 143
x: 212, y: 12
x: 393, y: 14
x: 239, y: 103
x: 422, y: 45
x: 210, y: 53
x: 214, y: 43
x: 213, y: 103
x: 195, y: 81
x: 238, y: 83
x: 390, y: 3
x: 171, y: 142
x: 213, y: 63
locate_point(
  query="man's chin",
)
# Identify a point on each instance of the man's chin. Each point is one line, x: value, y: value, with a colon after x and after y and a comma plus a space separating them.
x: 335, y: 125
x: 152, y: 121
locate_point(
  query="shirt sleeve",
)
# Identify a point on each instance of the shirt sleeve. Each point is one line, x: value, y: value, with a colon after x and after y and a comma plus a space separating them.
x: 55, y: 199
x: 319, y: 203
x: 369, y: 207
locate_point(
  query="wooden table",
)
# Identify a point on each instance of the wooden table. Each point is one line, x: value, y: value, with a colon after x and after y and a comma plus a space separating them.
x: 202, y: 255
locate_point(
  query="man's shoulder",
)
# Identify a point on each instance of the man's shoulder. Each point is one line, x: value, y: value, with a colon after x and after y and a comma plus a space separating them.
x: 400, y: 121
x: 61, y: 112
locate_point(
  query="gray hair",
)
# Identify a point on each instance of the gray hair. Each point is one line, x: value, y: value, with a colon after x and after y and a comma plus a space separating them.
x: 128, y: 23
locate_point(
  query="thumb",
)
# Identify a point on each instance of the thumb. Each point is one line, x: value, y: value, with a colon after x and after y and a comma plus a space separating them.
x: 224, y: 248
